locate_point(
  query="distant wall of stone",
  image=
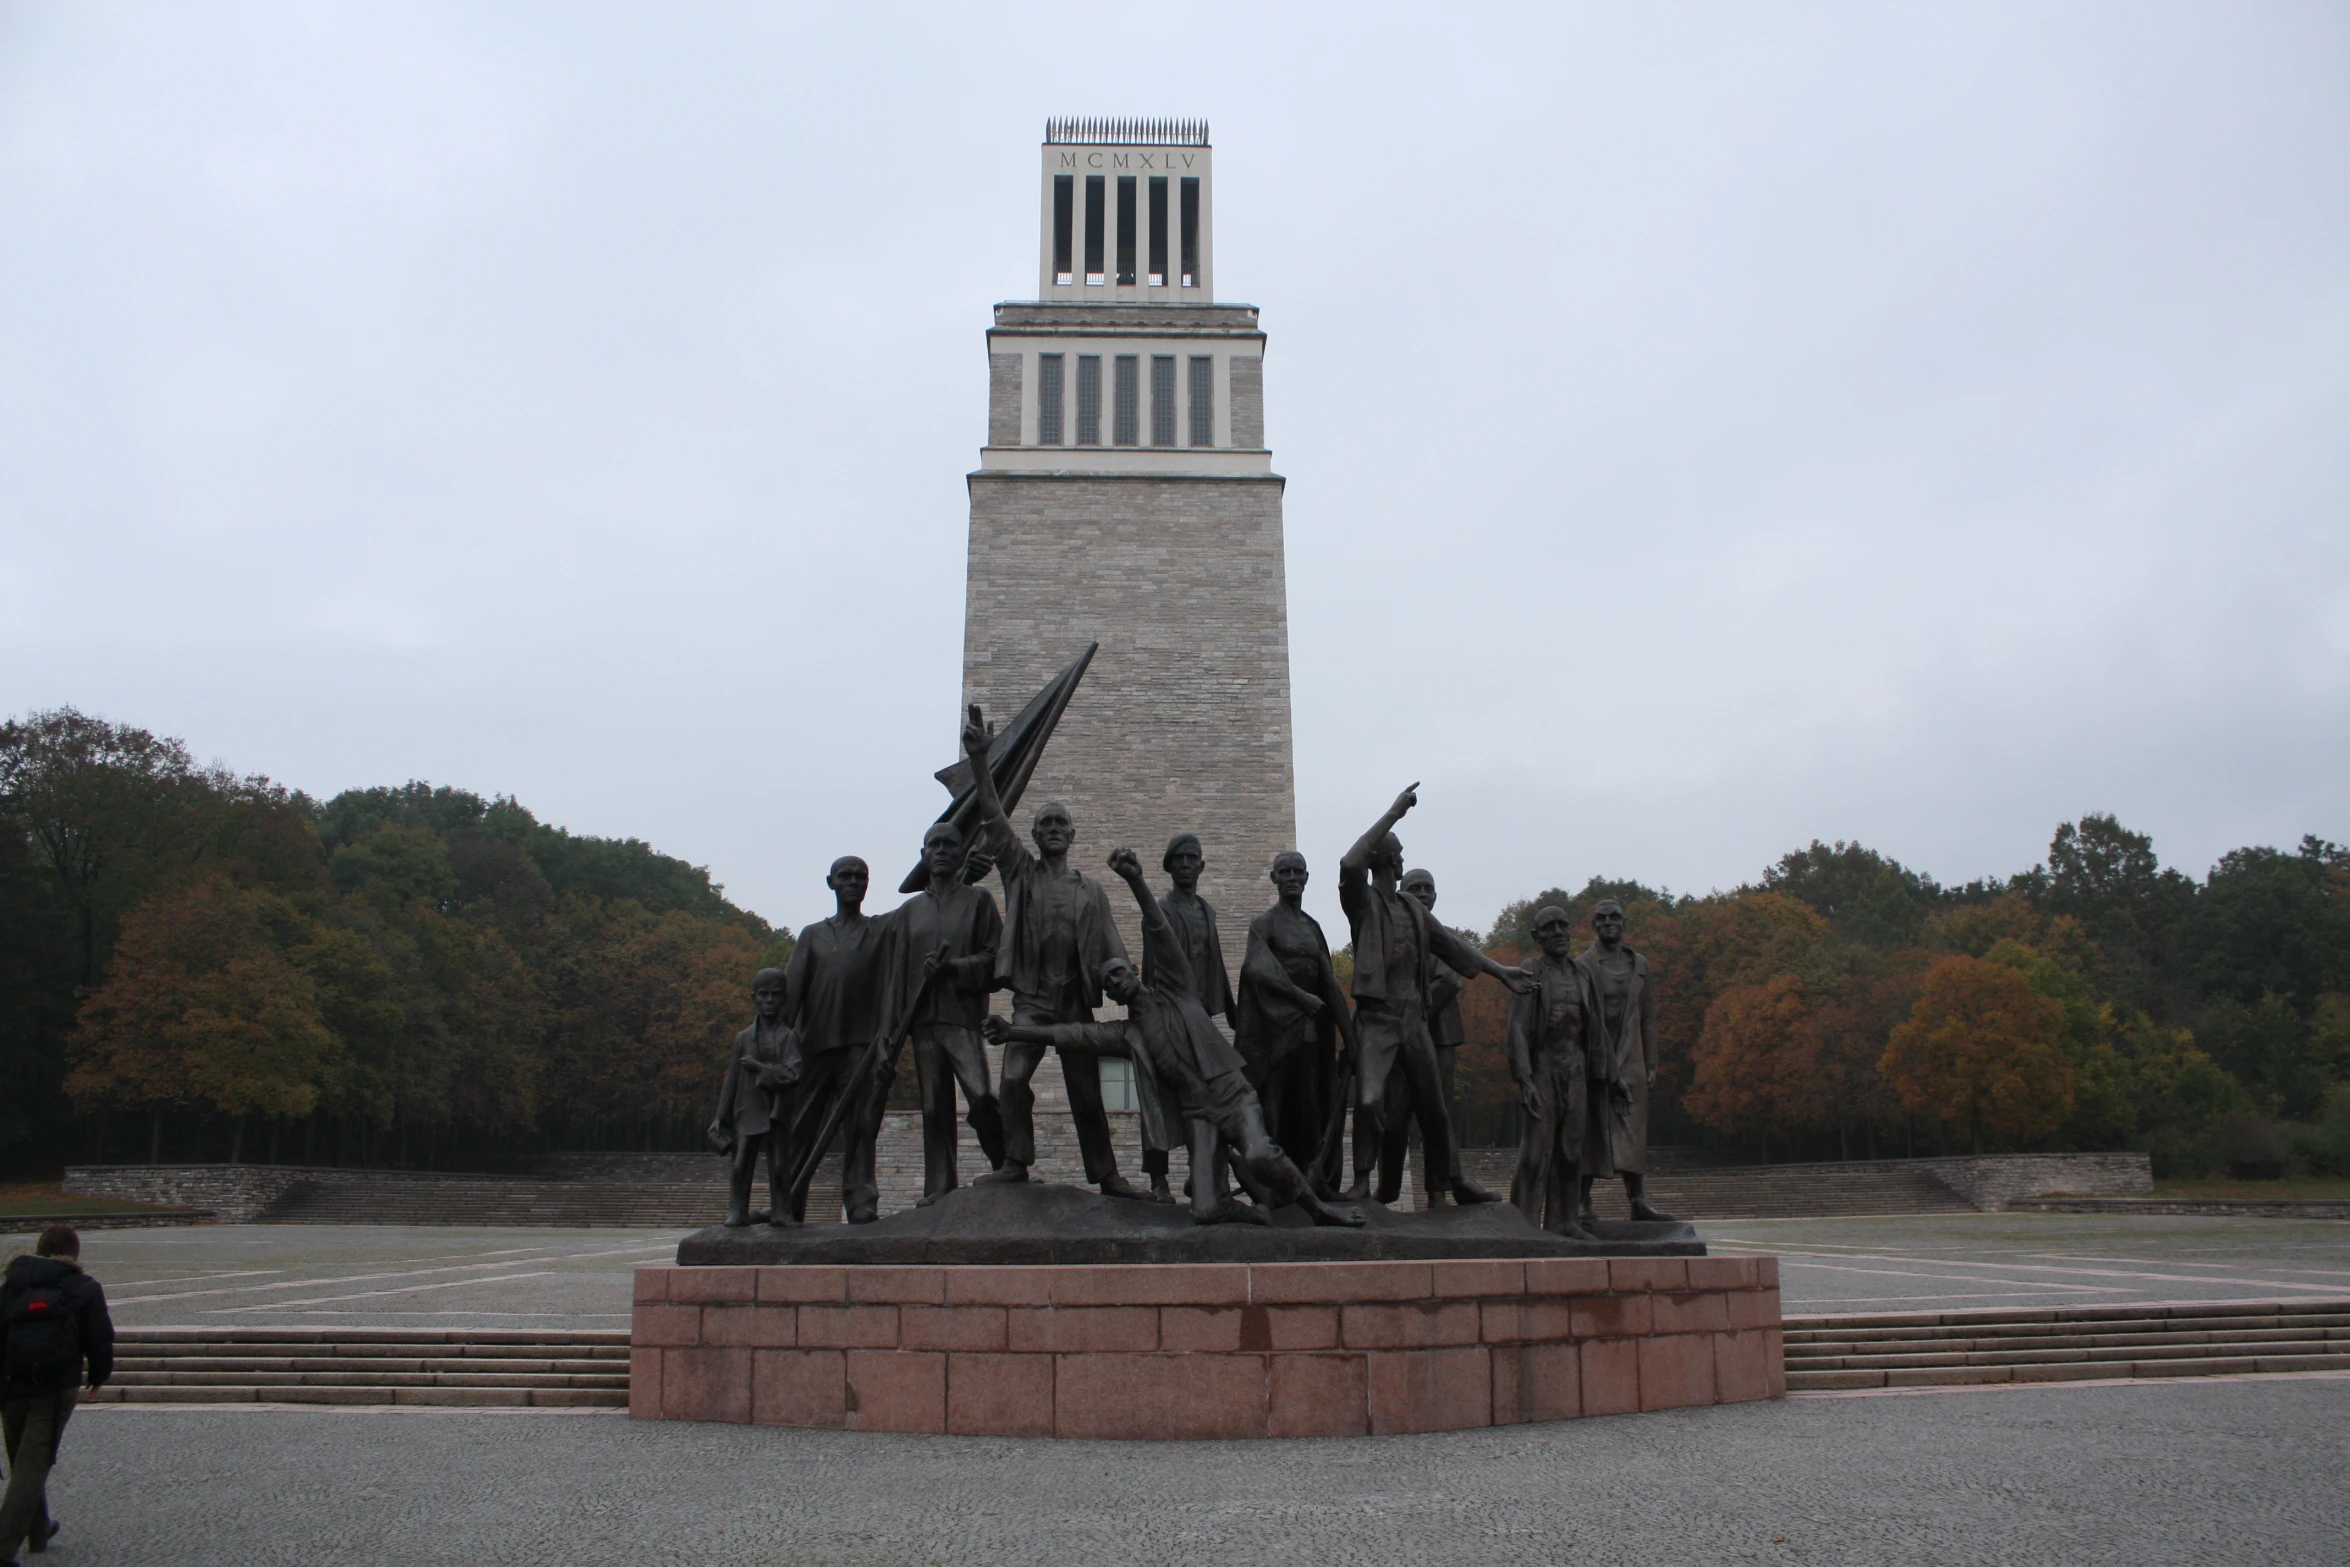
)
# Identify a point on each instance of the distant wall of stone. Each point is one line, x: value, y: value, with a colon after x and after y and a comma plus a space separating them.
x: 232, y: 1193
x: 1992, y: 1181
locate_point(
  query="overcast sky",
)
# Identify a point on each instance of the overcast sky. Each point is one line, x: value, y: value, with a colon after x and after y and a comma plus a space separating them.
x: 1739, y: 425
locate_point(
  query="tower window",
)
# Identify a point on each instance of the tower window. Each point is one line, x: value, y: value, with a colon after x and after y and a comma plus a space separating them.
x: 1125, y: 231
x: 1064, y: 225
x: 1096, y: 205
x: 1089, y: 399
x: 1203, y: 400
x: 1163, y: 400
x: 1048, y: 398
x: 1191, y: 231
x: 1125, y: 429
x: 1158, y: 216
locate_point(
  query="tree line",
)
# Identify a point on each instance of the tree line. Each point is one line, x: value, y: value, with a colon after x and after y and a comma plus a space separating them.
x: 200, y: 965
x: 1846, y: 1006
x: 196, y: 964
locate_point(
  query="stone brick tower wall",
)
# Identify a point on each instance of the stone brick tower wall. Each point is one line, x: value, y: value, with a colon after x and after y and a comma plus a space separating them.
x: 1182, y: 723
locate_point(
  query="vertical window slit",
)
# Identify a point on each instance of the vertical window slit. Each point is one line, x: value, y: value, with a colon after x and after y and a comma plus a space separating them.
x: 1089, y: 399
x: 1163, y: 400
x: 1190, y: 201
x: 1048, y: 398
x: 1203, y: 400
x: 1125, y: 231
x: 1125, y: 428
x: 1158, y: 217
x: 1096, y: 204
x: 1064, y: 225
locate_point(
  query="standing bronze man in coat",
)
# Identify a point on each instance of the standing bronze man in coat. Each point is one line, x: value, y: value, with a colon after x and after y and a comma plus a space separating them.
x: 1551, y: 1031
x: 938, y: 964
x: 1397, y: 948
x: 754, y: 1102
x: 1292, y: 1017
x: 1627, y: 1035
x: 1057, y: 935
x: 832, y: 997
x: 1192, y: 918
x: 1446, y: 1032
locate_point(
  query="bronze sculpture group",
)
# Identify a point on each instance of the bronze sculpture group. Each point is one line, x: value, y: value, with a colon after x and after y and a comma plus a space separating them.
x: 1266, y: 1105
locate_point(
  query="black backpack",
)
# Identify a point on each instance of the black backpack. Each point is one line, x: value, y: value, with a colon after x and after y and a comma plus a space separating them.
x: 44, y: 1340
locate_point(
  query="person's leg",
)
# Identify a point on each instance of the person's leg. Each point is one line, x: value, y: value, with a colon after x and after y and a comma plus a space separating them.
x: 779, y: 1173
x: 1395, y: 1136
x: 967, y: 1058
x: 1531, y: 1184
x: 1417, y: 1061
x: 738, y: 1179
x: 860, y: 1186
x: 1207, y: 1197
x: 1082, y: 1072
x: 1241, y: 1123
x: 33, y: 1426
x: 1444, y: 1055
x: 1019, y: 1099
x: 1379, y: 1034
x: 935, y: 1083
x: 819, y: 1087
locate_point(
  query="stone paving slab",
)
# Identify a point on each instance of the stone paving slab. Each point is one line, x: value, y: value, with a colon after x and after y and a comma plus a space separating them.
x: 2143, y: 1474
x: 1899, y: 1267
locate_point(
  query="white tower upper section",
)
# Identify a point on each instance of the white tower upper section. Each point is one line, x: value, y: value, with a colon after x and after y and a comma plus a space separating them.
x: 1127, y: 213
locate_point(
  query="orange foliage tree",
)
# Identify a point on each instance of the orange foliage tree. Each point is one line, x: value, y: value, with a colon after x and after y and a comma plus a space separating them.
x: 1980, y: 1050
x: 1753, y: 1063
x: 204, y: 1007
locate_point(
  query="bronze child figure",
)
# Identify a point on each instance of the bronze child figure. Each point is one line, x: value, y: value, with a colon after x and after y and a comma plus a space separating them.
x: 754, y: 1106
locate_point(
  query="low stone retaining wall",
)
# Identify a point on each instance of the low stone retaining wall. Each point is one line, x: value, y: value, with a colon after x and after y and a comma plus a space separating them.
x: 2205, y: 1207
x: 231, y: 1193
x: 1994, y: 1181
x: 1199, y: 1352
x: 34, y: 1223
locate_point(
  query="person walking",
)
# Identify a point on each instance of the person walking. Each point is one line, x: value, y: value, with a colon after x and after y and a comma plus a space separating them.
x: 55, y: 1335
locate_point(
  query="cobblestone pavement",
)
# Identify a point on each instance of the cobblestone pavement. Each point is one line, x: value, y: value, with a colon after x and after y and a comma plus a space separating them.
x: 2184, y: 1472
x: 1931, y: 1262
x: 362, y: 1275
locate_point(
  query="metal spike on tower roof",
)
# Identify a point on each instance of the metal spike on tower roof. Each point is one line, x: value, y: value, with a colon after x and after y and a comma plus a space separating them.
x: 1094, y: 131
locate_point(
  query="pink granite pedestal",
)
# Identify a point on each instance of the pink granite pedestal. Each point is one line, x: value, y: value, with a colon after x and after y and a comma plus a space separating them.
x: 1159, y: 1351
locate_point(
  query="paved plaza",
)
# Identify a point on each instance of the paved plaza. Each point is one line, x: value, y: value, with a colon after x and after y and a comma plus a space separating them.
x: 2200, y: 1471
x: 2180, y: 1472
x: 443, y: 1277
x: 1949, y: 1262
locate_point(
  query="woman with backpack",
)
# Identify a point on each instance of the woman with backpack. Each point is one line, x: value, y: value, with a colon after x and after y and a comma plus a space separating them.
x: 54, y: 1336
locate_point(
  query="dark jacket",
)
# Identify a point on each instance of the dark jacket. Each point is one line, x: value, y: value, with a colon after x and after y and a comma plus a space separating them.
x: 84, y: 1299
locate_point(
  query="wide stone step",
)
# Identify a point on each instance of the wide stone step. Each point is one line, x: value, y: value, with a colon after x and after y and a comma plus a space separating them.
x: 2058, y: 1341
x: 259, y: 1378
x: 1811, y: 1381
x: 235, y: 1366
x: 2242, y: 1321
x: 459, y: 1397
x: 2070, y: 1355
x: 126, y: 1354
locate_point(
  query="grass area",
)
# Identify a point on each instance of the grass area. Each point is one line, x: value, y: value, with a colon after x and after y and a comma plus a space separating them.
x: 2272, y: 1190
x: 22, y: 1197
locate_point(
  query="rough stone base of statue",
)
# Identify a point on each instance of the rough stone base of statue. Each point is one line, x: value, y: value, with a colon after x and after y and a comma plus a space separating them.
x: 1034, y: 1223
x: 1435, y: 1321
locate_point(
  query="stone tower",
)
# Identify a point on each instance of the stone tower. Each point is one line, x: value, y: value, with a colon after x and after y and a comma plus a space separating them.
x: 1126, y: 496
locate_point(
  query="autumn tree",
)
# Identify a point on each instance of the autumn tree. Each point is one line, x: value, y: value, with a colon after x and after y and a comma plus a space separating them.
x: 204, y: 1007
x: 1754, y: 1067
x: 1980, y: 1050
